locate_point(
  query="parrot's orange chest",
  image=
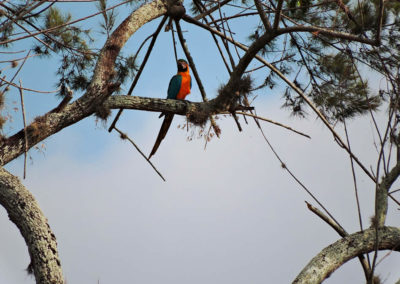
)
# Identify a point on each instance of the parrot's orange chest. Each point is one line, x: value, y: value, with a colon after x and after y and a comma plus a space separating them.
x: 185, y: 85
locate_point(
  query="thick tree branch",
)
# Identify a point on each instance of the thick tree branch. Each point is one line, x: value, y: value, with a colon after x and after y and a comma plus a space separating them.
x: 98, y: 90
x: 342, y: 232
x: 336, y: 254
x: 381, y: 197
x: 25, y: 213
x: 328, y: 32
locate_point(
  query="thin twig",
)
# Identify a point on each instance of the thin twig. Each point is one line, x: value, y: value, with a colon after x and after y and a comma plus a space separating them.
x: 124, y: 136
x: 65, y: 24
x: 30, y: 90
x: 195, y: 73
x: 20, y: 67
x: 273, y: 122
x: 342, y: 232
x: 380, y: 21
x: 174, y: 43
x: 339, y: 229
x: 24, y: 120
x: 230, y: 32
x: 146, y: 57
x: 213, y: 9
x: 389, y: 253
x: 18, y: 59
x: 26, y: 30
x: 239, y: 15
x: 4, y: 26
x: 225, y: 44
x: 11, y: 52
x: 354, y: 178
x: 393, y: 191
x: 394, y: 199
x: 200, y: 7
x: 284, y: 166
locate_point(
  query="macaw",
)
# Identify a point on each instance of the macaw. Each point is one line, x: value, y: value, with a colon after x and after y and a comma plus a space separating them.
x: 178, y: 88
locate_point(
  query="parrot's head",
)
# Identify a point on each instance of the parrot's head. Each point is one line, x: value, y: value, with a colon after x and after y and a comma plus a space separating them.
x: 182, y: 65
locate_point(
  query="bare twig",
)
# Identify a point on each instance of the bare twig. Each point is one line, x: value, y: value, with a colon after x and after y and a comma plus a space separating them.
x: 213, y: 9
x: 124, y: 136
x: 26, y: 89
x: 387, y: 254
x: 277, y: 15
x: 4, y: 26
x: 273, y: 122
x: 394, y: 199
x: 20, y: 67
x: 339, y: 229
x: 380, y: 21
x: 354, y: 178
x: 285, y: 167
x: 174, y: 43
x: 26, y: 30
x: 393, y: 191
x: 146, y: 57
x: 342, y: 232
x: 24, y: 120
x: 200, y: 7
x: 63, y: 25
x: 195, y: 73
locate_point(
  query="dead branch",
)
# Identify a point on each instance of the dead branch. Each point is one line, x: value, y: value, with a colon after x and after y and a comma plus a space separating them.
x: 274, y: 122
x: 21, y: 94
x: 124, y: 136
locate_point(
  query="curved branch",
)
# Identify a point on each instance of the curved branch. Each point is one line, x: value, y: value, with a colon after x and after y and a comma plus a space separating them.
x: 25, y: 213
x: 99, y: 89
x: 104, y: 70
x: 336, y: 254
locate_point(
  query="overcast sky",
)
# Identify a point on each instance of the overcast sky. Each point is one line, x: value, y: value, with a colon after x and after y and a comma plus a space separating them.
x: 227, y: 214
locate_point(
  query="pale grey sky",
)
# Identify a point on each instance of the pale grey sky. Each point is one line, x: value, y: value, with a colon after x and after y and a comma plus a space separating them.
x: 229, y: 214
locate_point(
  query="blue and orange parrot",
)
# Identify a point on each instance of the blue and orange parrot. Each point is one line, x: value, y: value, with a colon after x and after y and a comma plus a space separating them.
x: 178, y: 89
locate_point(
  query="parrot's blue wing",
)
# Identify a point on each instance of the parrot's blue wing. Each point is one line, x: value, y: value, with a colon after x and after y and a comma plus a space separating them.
x: 174, y: 86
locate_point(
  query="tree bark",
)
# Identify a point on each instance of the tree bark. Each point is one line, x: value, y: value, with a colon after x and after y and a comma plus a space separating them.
x: 336, y: 254
x: 98, y: 91
x: 25, y: 213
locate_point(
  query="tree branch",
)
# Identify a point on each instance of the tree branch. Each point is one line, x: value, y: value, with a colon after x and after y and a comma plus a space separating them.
x: 25, y: 213
x: 336, y: 254
x: 342, y: 232
x: 381, y: 197
x: 98, y: 90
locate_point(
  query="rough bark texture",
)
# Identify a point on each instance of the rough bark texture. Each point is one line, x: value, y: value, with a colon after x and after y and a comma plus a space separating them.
x: 336, y: 254
x: 180, y: 107
x: 25, y: 213
x: 98, y: 91
x: 19, y: 203
x: 381, y: 196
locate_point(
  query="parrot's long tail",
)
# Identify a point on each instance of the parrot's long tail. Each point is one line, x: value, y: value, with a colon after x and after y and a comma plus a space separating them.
x: 163, y: 131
